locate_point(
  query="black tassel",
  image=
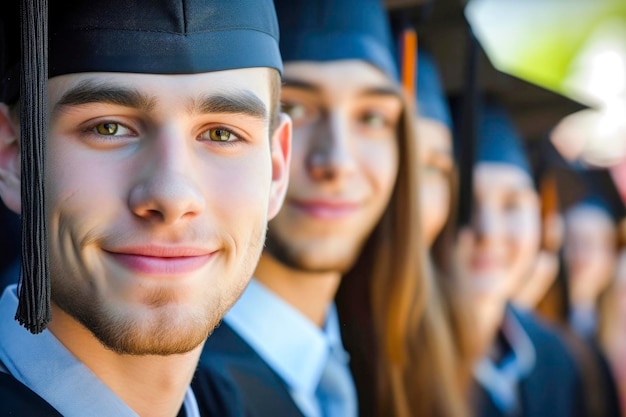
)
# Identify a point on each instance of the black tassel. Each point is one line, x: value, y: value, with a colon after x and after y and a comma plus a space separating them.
x: 33, y: 311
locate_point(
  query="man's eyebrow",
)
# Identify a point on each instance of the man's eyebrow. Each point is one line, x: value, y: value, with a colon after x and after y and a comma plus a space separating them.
x: 382, y: 91
x: 98, y: 92
x: 303, y: 85
x: 240, y: 102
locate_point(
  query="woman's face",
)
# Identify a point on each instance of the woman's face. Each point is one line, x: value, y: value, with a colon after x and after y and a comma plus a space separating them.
x: 505, y: 233
x: 435, y: 140
x: 589, y: 251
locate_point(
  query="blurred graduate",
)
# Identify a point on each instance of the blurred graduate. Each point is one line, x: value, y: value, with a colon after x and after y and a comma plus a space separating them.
x: 527, y: 368
x: 342, y: 281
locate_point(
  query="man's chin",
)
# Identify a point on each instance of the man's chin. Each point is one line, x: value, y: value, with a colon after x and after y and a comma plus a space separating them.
x: 314, y: 263
x: 155, y: 340
x: 310, y: 259
x: 164, y: 330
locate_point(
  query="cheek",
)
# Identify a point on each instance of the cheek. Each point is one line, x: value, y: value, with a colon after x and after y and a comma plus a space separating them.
x: 80, y: 186
x: 380, y: 160
x: 239, y: 189
x: 300, y: 147
x: 524, y: 234
x: 434, y: 205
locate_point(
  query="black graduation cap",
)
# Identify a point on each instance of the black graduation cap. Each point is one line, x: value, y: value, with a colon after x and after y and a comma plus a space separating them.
x: 327, y: 30
x: 142, y: 36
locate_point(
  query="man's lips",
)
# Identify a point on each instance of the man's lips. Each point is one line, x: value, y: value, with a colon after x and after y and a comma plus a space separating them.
x: 326, y: 209
x: 161, y: 260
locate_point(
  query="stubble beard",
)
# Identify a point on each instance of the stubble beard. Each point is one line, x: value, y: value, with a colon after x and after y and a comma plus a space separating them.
x: 292, y: 255
x: 166, y: 329
x: 162, y: 330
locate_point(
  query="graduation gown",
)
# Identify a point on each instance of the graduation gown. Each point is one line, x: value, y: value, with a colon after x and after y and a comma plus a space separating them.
x: 16, y: 399
x: 240, y: 379
x: 601, y: 394
x: 553, y: 388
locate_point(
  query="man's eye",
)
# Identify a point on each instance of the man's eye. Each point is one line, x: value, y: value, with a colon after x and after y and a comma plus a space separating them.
x: 294, y: 110
x: 219, y: 134
x: 375, y: 120
x: 111, y: 129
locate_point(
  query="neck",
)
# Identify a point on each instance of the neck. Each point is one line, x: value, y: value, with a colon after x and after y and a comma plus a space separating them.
x: 309, y: 292
x: 153, y: 386
x: 489, y: 315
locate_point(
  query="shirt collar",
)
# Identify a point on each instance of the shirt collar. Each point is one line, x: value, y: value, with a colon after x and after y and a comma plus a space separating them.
x: 521, y: 344
x: 291, y: 344
x: 63, y: 381
x: 501, y: 380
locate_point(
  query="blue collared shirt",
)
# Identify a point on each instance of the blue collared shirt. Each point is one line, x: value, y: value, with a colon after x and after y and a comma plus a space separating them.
x: 291, y: 344
x: 44, y: 365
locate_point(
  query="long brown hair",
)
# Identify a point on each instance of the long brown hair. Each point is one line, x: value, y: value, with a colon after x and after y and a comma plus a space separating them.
x: 393, y: 320
x: 456, y: 302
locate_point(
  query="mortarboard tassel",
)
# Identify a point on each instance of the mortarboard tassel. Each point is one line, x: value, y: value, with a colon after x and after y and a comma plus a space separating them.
x: 408, y: 54
x: 470, y: 111
x: 33, y: 311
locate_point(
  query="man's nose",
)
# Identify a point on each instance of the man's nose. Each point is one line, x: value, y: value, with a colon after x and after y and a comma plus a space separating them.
x: 168, y: 189
x: 331, y: 154
x: 486, y: 223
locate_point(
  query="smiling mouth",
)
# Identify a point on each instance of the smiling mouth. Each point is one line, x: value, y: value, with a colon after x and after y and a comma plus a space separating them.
x: 323, y: 209
x: 160, y: 261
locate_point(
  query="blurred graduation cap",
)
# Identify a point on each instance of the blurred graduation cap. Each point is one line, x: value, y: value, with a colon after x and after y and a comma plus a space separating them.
x: 592, y: 186
x: 73, y: 36
x: 432, y: 102
x: 565, y: 183
x: 326, y: 30
x: 469, y: 77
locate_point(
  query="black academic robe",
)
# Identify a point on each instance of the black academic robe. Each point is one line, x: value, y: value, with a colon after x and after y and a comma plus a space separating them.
x: 9, y: 275
x: 608, y: 383
x: 17, y: 400
x: 601, y: 394
x: 553, y: 388
x: 244, y: 384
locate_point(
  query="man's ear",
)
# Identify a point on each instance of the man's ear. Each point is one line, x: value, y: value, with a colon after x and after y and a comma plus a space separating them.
x: 9, y: 160
x: 281, y: 159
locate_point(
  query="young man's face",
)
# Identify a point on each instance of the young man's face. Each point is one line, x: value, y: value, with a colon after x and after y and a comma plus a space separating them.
x: 159, y: 189
x: 345, y: 161
x: 505, y: 230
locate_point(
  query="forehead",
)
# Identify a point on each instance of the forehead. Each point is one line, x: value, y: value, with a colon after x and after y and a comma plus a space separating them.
x: 340, y: 77
x: 493, y: 177
x: 173, y: 90
x: 434, y: 134
x: 586, y: 214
